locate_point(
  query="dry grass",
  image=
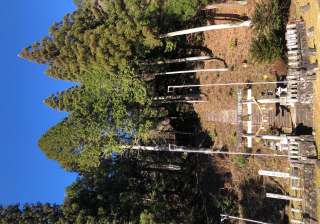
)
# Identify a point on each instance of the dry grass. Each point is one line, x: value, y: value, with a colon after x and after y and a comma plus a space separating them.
x: 244, y: 186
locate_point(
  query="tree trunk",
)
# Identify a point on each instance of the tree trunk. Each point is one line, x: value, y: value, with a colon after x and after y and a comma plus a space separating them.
x: 179, y: 97
x: 180, y: 60
x: 205, y: 28
x: 183, y: 101
x: 191, y: 71
x: 222, y: 5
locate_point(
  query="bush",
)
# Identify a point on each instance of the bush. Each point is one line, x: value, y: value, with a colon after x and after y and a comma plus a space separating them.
x: 266, y: 48
x: 266, y: 17
x: 241, y: 161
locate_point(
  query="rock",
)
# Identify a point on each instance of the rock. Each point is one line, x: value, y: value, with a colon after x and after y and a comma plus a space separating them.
x: 245, y: 65
x: 312, y: 51
x: 318, y: 164
x: 258, y: 159
x: 304, y: 8
x: 312, y: 68
x: 310, y: 32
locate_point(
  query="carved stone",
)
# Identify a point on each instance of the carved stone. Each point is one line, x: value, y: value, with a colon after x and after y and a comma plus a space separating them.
x: 310, y: 32
x: 312, y: 68
x: 304, y: 8
x: 312, y: 51
x: 318, y: 165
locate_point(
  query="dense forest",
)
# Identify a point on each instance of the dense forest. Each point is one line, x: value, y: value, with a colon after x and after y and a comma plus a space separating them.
x: 107, y: 49
x: 110, y: 50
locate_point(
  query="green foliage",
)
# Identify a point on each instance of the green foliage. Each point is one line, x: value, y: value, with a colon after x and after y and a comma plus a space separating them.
x: 266, y: 17
x: 146, y: 218
x: 132, y: 189
x: 31, y: 213
x: 226, y: 205
x: 234, y: 137
x: 231, y: 45
x: 93, y: 38
x: 267, y: 23
x: 230, y: 69
x: 232, y: 93
x: 266, y: 48
x: 181, y: 10
x: 217, y: 75
x: 170, y: 46
x: 215, y: 55
x: 241, y: 161
x: 213, y: 134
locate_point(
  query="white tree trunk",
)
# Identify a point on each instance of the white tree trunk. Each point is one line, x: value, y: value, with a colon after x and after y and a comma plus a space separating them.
x: 195, y: 150
x: 191, y: 71
x: 180, y: 60
x: 179, y: 97
x: 183, y: 101
x: 205, y: 28
x: 222, y: 5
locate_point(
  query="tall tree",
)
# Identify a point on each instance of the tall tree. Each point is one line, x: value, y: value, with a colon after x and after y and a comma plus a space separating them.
x: 31, y: 213
x: 90, y: 37
x: 123, y: 187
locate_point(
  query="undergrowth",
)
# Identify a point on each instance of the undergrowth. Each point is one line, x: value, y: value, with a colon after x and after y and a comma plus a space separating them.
x: 268, y: 46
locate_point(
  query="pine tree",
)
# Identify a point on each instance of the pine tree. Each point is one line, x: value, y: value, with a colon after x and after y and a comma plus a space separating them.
x: 266, y: 48
x: 69, y: 100
x: 92, y: 38
x: 267, y: 17
x: 31, y: 213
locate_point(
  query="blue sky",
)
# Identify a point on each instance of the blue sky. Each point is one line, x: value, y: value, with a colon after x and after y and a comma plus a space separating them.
x: 27, y: 176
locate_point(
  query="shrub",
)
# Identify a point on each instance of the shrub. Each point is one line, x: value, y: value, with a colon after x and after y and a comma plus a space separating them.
x: 213, y: 135
x: 266, y: 17
x: 231, y: 45
x: 241, y: 161
x: 266, y: 48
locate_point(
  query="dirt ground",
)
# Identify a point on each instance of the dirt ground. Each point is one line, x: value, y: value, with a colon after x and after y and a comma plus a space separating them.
x: 234, y: 180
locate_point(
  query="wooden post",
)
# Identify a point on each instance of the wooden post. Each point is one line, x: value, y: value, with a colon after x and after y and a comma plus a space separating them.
x: 223, y: 5
x: 179, y: 97
x: 249, y: 97
x: 239, y: 119
x: 274, y: 174
x: 180, y: 60
x: 249, y: 220
x: 205, y: 28
x: 284, y: 197
x: 278, y: 174
x: 183, y: 101
x: 192, y: 71
x: 194, y: 150
x: 297, y: 221
x: 296, y: 188
x: 296, y: 210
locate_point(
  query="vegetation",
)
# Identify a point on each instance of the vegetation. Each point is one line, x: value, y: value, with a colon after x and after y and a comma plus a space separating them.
x: 266, y: 17
x: 267, y: 48
x: 267, y: 24
x: 107, y: 49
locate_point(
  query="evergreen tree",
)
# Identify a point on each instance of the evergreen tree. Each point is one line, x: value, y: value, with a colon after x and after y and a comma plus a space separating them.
x: 72, y: 99
x: 81, y: 142
x: 31, y: 213
x: 266, y: 48
x: 92, y: 38
x: 124, y: 188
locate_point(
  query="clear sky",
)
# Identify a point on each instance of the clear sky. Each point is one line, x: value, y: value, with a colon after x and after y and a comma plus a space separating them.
x: 26, y: 174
